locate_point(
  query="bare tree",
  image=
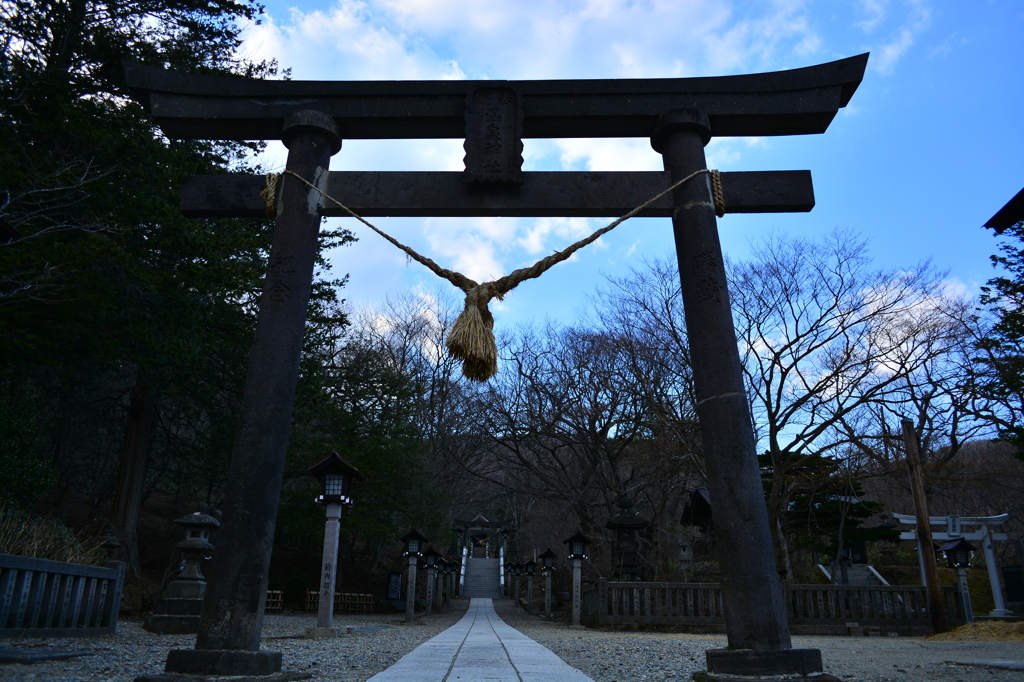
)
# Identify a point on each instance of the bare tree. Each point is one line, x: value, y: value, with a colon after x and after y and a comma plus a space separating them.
x: 827, y: 341
x: 576, y: 418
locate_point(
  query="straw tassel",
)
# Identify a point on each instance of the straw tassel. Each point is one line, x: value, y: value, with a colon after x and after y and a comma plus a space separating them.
x: 472, y: 337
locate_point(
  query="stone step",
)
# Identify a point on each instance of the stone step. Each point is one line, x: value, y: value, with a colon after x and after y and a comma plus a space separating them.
x: 481, y: 578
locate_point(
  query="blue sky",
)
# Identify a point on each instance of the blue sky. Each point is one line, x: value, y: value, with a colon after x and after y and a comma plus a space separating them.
x: 930, y: 147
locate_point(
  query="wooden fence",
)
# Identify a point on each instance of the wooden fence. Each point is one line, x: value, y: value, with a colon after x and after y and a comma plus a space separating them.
x: 812, y: 609
x: 344, y: 602
x: 275, y: 601
x: 42, y: 598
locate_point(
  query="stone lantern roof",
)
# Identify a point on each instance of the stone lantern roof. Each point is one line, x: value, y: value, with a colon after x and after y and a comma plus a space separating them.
x: 626, y: 519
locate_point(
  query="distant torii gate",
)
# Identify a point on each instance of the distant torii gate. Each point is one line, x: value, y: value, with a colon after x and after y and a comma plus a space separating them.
x: 955, y: 527
x: 679, y: 115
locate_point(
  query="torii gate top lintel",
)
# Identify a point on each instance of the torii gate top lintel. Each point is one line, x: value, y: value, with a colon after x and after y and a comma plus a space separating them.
x: 493, y: 117
x: 911, y: 520
x: 793, y: 102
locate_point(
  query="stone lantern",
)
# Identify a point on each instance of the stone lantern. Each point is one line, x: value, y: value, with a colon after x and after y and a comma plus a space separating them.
x: 442, y: 580
x: 517, y: 571
x: 958, y: 557
x: 577, y: 546
x: 108, y: 541
x: 577, y: 553
x: 413, y: 545
x: 547, y: 568
x: 509, y: 570
x: 626, y: 523
x: 178, y: 611
x: 456, y: 569
x: 335, y: 475
x: 430, y: 558
x: 531, y: 569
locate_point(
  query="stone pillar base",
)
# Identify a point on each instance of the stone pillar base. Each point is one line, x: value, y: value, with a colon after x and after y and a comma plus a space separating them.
x: 705, y: 676
x: 274, y: 677
x: 202, y: 665
x: 222, y: 662
x: 1000, y: 613
x: 328, y: 633
x: 764, y: 662
x: 164, y: 624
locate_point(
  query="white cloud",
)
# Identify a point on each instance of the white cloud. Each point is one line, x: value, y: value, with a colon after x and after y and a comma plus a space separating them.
x: 609, y: 154
x: 346, y: 43
x: 534, y: 239
x: 874, y: 12
x: 901, y: 38
x: 890, y: 53
x: 409, y: 39
x: 471, y: 246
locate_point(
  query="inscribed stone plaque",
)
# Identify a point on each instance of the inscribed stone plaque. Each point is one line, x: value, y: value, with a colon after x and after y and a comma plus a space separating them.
x: 494, y: 137
x: 394, y: 585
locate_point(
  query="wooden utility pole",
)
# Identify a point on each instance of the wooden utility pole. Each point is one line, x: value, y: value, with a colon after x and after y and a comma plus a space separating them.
x: 924, y: 529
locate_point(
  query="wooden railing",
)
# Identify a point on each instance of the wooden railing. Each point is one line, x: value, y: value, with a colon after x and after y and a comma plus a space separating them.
x: 866, y: 607
x: 652, y: 603
x: 42, y: 598
x: 811, y: 609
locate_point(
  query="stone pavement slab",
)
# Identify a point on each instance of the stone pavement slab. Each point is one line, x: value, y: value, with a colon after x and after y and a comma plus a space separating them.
x: 480, y: 648
x: 1002, y: 665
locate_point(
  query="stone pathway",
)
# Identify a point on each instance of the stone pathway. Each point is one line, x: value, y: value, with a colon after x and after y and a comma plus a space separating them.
x: 480, y: 647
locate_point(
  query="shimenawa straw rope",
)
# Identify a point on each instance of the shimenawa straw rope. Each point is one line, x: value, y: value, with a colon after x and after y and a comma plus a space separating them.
x: 472, y: 337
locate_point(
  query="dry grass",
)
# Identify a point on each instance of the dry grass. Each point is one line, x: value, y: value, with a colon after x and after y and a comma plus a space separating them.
x: 44, y: 538
x: 983, y: 631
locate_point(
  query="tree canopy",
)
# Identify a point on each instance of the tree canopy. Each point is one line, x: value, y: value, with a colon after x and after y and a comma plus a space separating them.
x: 1002, y: 349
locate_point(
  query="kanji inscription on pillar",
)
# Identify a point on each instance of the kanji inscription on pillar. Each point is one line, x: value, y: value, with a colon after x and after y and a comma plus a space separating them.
x: 279, y: 267
x: 328, y: 578
x: 494, y: 138
x: 705, y: 266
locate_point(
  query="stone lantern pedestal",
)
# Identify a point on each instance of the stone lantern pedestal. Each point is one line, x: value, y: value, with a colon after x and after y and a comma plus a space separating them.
x: 178, y: 611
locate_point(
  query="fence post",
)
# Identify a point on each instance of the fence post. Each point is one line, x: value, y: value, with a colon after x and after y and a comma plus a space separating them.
x: 110, y: 613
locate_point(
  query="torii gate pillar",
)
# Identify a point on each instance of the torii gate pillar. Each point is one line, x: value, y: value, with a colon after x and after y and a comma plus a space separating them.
x: 752, y: 595
x: 228, y: 642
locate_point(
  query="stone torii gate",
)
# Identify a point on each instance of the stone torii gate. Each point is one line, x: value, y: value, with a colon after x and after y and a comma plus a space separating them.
x: 679, y: 116
x: 955, y: 530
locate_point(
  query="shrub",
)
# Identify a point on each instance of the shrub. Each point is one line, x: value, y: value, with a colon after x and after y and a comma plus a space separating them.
x: 44, y: 538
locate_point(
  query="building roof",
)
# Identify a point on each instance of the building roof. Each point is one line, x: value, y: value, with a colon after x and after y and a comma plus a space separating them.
x: 1009, y: 215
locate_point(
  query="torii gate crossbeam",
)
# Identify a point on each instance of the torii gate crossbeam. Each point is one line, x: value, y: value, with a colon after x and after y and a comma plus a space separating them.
x: 679, y: 115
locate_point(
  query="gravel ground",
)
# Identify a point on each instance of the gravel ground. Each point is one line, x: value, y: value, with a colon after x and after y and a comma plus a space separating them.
x: 625, y: 657
x: 133, y: 651
x: 604, y: 656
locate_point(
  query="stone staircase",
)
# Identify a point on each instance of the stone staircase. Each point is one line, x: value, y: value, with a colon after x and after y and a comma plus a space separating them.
x: 858, y: 574
x: 482, y: 578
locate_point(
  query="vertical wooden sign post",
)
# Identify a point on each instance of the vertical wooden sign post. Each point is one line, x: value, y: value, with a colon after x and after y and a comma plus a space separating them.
x: 924, y: 530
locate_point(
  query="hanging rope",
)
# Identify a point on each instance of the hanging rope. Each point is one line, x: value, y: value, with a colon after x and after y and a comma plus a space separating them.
x: 472, y: 337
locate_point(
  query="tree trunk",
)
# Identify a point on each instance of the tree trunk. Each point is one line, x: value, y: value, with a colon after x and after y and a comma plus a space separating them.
x: 778, y: 501
x: 784, y: 562
x: 844, y: 507
x: 132, y: 474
